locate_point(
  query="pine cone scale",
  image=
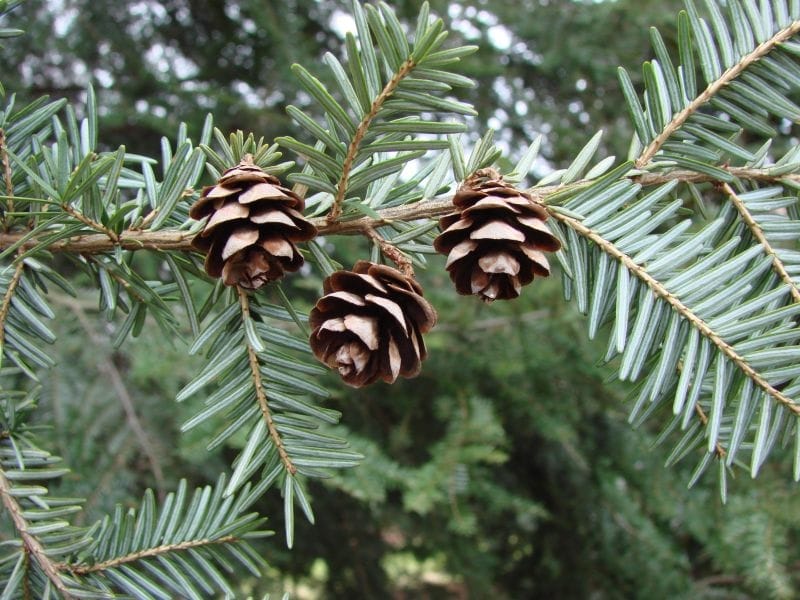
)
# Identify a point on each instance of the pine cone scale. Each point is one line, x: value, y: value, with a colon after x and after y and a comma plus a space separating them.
x: 366, y: 328
x: 261, y: 191
x: 391, y: 308
x: 497, y: 230
x: 499, y: 262
x: 228, y: 212
x: 239, y: 239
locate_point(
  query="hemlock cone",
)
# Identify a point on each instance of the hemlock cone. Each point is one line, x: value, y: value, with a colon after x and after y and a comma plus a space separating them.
x: 496, y: 239
x: 369, y: 324
x: 253, y: 225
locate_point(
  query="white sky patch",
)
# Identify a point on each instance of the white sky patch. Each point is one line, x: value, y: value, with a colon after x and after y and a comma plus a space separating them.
x: 103, y: 77
x: 466, y: 28
x: 165, y: 59
x: 500, y: 37
x: 502, y: 89
x: 487, y: 18
x: 62, y: 23
x: 342, y: 23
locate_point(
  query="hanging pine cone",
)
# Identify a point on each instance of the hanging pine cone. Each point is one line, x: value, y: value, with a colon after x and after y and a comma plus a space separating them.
x: 496, y: 239
x: 254, y: 223
x: 369, y: 324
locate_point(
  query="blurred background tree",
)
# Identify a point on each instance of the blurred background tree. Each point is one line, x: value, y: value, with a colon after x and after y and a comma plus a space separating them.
x: 507, y: 469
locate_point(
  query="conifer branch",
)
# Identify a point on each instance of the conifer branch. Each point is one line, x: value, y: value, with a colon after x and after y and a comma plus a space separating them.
x: 31, y: 545
x: 758, y: 234
x: 263, y: 402
x: 181, y: 241
x: 713, y: 89
x: 361, y: 131
x: 141, y: 554
x: 664, y: 294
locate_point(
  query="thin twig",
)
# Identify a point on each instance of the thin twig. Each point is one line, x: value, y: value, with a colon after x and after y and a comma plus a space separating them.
x: 105, y: 365
x: 32, y: 546
x: 6, y: 306
x: 263, y: 402
x: 126, y: 285
x: 391, y: 252
x: 150, y: 552
x: 658, y: 288
x: 686, y: 176
x: 112, y: 235
x: 758, y: 233
x: 714, y: 88
x: 719, y: 450
x: 6, y: 175
x: 93, y: 243
x: 361, y: 131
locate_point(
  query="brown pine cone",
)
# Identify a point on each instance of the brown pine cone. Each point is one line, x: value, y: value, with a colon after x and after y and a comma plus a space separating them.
x: 369, y: 324
x: 253, y: 225
x: 496, y: 239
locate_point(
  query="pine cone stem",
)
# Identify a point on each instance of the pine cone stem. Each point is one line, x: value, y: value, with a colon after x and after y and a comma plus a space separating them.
x: 390, y: 251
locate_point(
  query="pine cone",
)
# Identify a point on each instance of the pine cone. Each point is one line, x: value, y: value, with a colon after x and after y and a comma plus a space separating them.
x: 369, y: 324
x: 254, y: 222
x: 496, y: 239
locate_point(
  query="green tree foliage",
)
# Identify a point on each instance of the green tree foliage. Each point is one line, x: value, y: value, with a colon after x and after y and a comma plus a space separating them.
x: 507, y: 467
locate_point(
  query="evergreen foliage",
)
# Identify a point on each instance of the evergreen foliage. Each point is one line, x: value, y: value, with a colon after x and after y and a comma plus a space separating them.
x: 683, y: 257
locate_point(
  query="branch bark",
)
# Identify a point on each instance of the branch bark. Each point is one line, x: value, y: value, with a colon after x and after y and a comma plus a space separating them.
x: 150, y: 552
